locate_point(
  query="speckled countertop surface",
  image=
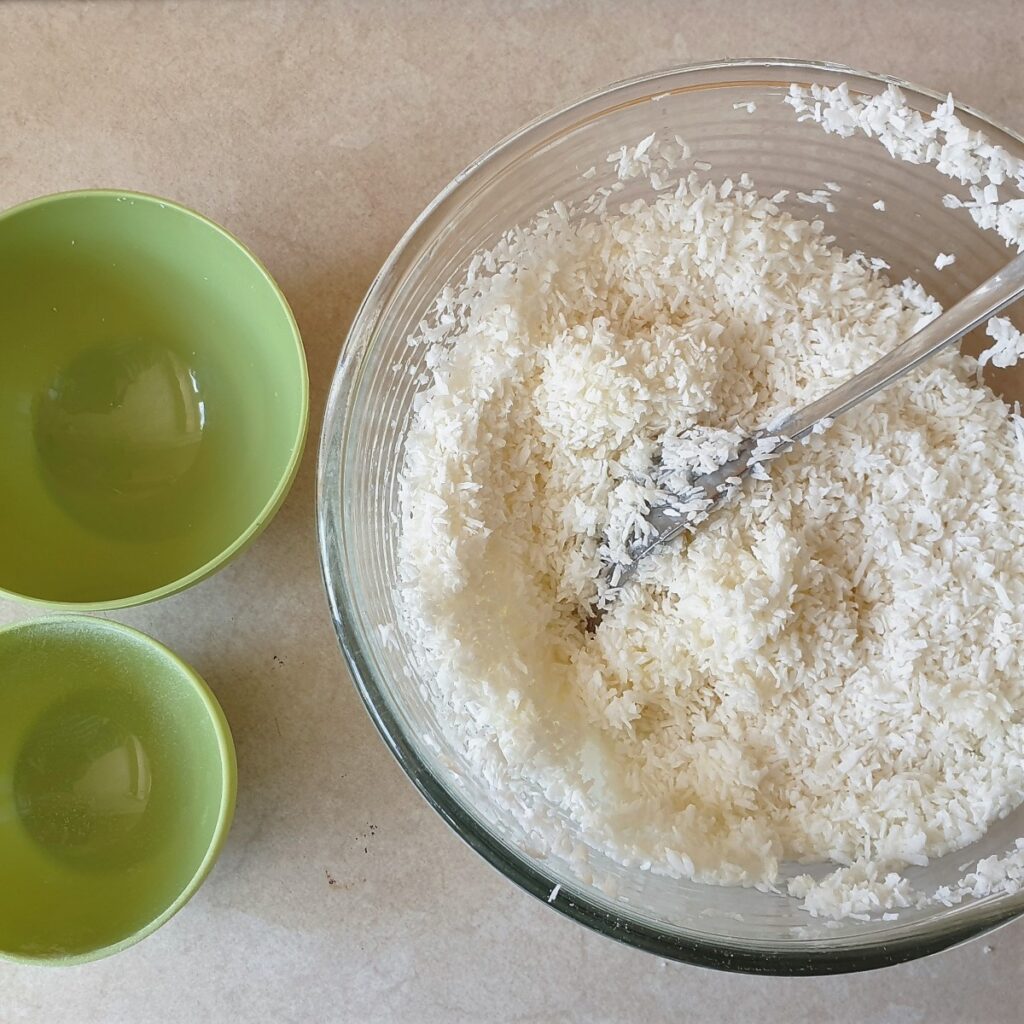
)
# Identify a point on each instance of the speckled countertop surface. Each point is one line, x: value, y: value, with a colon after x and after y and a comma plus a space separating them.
x: 316, y: 132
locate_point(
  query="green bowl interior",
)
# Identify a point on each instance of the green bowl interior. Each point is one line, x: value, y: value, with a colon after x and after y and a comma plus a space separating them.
x: 153, y: 399
x: 116, y: 787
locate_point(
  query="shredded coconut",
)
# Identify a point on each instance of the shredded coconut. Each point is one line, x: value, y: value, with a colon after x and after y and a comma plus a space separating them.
x: 819, y: 195
x: 944, y: 260
x: 941, y: 139
x: 830, y: 669
x: 1008, y: 343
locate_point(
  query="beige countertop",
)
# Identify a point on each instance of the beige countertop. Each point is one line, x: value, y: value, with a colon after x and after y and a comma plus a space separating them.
x: 316, y: 132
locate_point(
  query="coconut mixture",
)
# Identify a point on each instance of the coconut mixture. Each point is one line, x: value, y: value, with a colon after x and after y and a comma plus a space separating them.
x: 832, y: 669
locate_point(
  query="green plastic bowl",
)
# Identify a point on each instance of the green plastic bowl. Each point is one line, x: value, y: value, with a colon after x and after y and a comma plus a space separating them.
x: 153, y: 399
x: 117, y: 787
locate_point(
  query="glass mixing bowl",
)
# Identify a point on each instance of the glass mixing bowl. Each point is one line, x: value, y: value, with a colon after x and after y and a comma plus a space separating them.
x: 371, y: 406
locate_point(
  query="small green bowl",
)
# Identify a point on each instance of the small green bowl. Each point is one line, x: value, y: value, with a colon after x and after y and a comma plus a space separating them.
x: 117, y: 787
x: 153, y: 399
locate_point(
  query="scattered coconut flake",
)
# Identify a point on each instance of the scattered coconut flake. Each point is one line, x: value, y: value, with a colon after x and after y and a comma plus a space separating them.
x: 1008, y: 343
x: 940, y: 138
x: 819, y: 195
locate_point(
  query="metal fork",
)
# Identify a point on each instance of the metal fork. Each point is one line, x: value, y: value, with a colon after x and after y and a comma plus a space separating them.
x: 1002, y: 289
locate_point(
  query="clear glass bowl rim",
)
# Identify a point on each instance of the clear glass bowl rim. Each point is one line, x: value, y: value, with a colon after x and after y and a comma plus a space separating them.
x: 812, y: 960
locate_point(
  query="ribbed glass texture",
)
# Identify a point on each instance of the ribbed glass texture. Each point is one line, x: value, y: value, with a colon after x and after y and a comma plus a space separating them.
x: 369, y: 413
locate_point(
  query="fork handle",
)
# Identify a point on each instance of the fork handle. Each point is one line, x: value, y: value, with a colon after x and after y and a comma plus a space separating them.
x: 1002, y: 289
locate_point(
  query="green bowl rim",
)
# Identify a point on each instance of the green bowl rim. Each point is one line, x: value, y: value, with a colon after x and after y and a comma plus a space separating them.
x: 229, y: 781
x: 276, y: 499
